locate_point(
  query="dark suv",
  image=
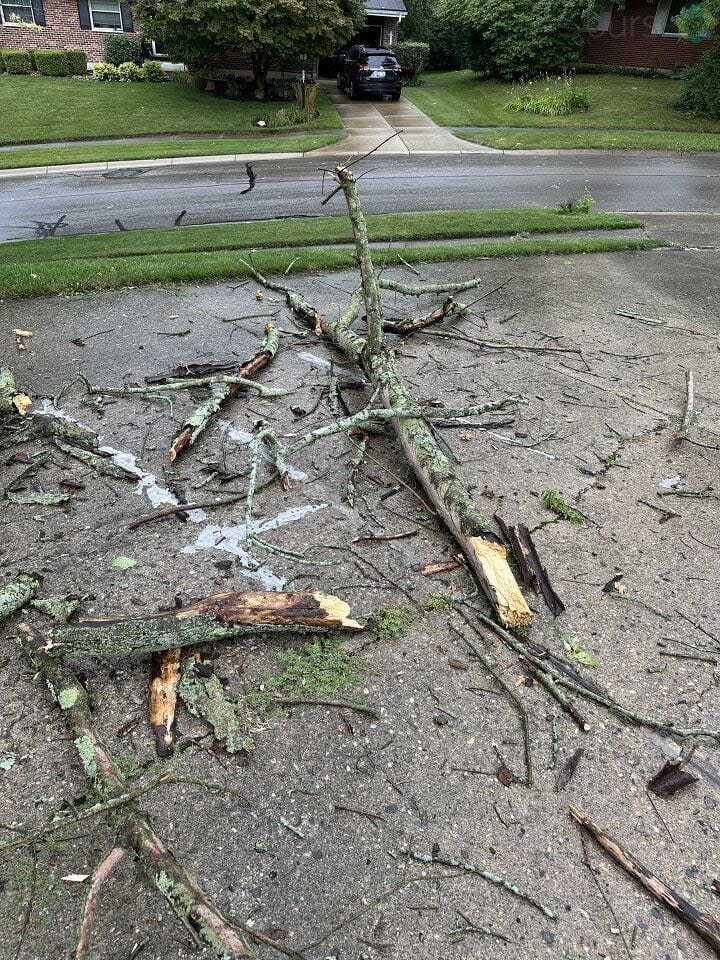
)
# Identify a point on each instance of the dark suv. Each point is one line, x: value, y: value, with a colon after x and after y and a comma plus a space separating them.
x: 363, y: 70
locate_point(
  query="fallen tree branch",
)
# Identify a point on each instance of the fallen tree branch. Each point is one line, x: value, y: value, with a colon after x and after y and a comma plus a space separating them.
x: 482, y: 547
x: 17, y: 592
x: 222, y: 616
x: 100, y: 875
x: 132, y: 825
x: 534, y: 576
x: 704, y: 924
x: 223, y: 392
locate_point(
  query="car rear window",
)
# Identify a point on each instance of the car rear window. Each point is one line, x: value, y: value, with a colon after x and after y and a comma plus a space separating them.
x: 381, y: 60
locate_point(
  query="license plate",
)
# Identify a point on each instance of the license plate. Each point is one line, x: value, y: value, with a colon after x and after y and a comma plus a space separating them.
x: 377, y: 74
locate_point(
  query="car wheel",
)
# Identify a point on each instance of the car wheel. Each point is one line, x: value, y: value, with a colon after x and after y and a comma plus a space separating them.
x: 396, y: 96
x: 351, y: 90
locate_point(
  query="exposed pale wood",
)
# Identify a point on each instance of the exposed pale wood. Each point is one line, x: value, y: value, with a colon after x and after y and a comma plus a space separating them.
x: 162, y: 699
x: 704, y: 924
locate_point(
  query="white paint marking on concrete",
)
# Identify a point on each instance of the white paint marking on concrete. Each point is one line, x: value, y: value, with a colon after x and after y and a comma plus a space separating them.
x: 213, y: 536
x: 246, y: 439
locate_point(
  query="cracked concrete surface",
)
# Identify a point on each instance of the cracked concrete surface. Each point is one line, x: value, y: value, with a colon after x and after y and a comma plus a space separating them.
x: 597, y: 428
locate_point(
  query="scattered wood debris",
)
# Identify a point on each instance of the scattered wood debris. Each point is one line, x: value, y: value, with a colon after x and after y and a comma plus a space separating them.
x: 670, y: 779
x: 532, y: 573
x: 162, y: 698
x: 703, y: 924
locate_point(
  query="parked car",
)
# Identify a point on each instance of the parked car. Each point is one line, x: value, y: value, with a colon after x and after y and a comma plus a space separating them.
x: 365, y: 70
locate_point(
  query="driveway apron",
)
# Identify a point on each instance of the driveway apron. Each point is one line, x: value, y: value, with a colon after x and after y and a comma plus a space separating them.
x: 406, y: 129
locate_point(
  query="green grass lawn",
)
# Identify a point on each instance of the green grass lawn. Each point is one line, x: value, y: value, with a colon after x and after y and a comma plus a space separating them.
x: 154, y: 149
x: 46, y: 109
x: 76, y: 264
x: 460, y: 99
x: 593, y: 139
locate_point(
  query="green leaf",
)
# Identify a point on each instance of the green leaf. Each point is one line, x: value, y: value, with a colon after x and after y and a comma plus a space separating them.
x: 124, y: 563
x: 585, y: 658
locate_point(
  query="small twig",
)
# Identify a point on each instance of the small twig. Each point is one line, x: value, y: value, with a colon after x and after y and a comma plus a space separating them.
x: 319, y: 702
x: 689, y: 414
x: 100, y: 875
x: 28, y: 906
x: 182, y: 508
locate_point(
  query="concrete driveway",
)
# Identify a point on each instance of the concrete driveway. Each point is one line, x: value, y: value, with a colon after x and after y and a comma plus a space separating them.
x: 371, y: 122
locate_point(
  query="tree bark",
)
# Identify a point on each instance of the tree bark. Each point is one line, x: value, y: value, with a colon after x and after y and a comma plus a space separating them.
x: 704, y: 924
x: 131, y: 823
x: 17, y: 592
x: 218, y: 617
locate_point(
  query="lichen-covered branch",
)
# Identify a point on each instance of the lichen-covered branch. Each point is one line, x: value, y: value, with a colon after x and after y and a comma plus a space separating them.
x: 130, y: 822
x: 204, y: 696
x: 219, y: 617
x: 225, y: 391
x: 17, y: 592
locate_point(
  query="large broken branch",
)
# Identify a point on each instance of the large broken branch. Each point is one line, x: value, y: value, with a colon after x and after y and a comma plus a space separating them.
x: 218, y: 617
x: 131, y: 824
x: 704, y: 924
x: 482, y: 547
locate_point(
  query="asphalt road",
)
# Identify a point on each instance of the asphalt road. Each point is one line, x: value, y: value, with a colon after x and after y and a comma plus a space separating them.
x: 211, y: 193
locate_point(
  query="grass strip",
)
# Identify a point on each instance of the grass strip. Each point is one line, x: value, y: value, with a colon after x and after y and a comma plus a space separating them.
x: 75, y: 276
x: 594, y: 140
x: 303, y: 231
x: 45, y: 109
x: 159, y: 149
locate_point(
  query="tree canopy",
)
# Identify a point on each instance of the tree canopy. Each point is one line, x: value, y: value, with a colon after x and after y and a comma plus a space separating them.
x: 266, y: 30
x: 520, y: 38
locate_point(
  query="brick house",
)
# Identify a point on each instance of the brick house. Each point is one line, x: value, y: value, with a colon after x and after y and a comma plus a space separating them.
x: 65, y: 24
x: 84, y: 24
x: 643, y: 33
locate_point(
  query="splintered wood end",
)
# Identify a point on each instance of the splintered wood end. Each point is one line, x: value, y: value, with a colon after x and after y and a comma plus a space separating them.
x: 499, y: 580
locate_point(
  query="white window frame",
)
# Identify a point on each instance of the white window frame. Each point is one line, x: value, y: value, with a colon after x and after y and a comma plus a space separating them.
x: 9, y: 23
x: 662, y: 18
x: 600, y: 22
x: 105, y: 29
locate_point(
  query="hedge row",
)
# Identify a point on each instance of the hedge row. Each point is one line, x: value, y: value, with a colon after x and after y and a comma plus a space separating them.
x: 49, y: 63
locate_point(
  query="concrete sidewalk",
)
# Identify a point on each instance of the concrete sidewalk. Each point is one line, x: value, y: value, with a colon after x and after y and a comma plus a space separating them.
x: 371, y: 122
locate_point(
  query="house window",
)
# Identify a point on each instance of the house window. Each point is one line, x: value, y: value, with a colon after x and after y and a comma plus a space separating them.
x: 105, y: 15
x: 666, y: 17
x: 17, y: 12
x: 600, y: 16
x: 676, y: 7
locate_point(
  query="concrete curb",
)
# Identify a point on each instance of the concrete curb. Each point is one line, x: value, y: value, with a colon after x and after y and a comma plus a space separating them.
x: 105, y: 165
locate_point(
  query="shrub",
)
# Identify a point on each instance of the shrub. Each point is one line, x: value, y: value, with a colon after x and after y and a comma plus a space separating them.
x: 582, y: 204
x: 77, y: 62
x: 510, y: 39
x: 237, y: 88
x: 16, y: 61
x: 120, y: 48
x: 548, y: 96
x: 153, y: 72
x: 412, y: 55
x: 129, y: 72
x: 106, y: 71
x: 700, y: 96
x: 51, y: 63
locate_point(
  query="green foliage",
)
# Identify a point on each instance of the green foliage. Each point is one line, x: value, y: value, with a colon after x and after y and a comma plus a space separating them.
x: 438, y: 602
x: 412, y: 56
x: 581, y: 204
x: 510, y: 39
x: 153, y: 72
x: 16, y: 61
x: 51, y: 63
x: 267, y: 30
x: 121, y: 48
x: 554, y: 501
x: 700, y: 96
x: 105, y: 72
x: 700, y: 20
x: 575, y: 651
x: 392, y: 623
x: 77, y: 62
x: 129, y: 72
x: 548, y: 96
x: 321, y: 670
x: 424, y: 24
x: 128, y: 765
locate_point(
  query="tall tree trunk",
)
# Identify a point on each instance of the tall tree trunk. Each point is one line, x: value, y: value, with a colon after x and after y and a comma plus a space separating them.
x: 260, y: 68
